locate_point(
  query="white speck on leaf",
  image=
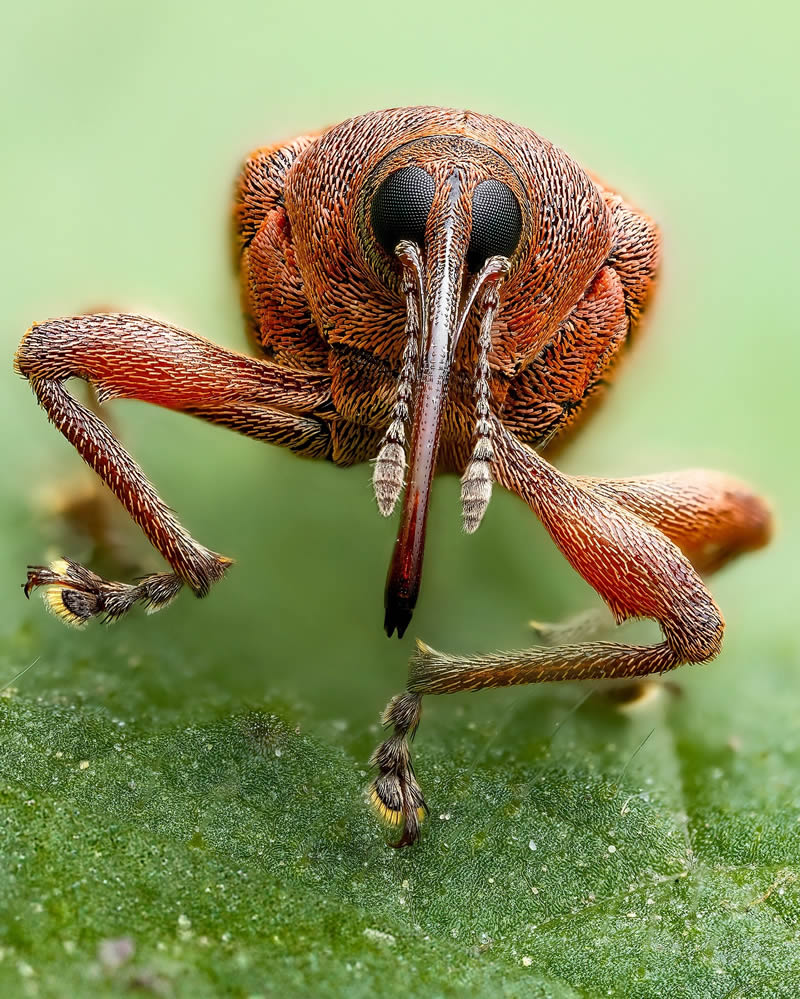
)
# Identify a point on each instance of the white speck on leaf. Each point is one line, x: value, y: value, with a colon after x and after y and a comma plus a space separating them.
x: 112, y: 954
x: 379, y: 936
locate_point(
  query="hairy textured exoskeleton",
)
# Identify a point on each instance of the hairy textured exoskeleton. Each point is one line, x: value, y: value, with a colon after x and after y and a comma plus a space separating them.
x: 440, y: 291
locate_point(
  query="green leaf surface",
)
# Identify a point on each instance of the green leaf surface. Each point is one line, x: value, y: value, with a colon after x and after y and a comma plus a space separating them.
x: 573, y: 849
x: 182, y: 807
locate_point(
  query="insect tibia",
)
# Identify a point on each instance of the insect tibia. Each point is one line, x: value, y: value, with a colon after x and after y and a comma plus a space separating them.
x: 395, y: 794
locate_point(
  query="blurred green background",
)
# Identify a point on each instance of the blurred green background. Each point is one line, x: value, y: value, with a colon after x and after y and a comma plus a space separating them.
x: 124, y: 126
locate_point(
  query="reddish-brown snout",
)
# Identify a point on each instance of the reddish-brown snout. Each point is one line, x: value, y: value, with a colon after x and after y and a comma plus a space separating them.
x: 450, y: 210
x: 442, y: 280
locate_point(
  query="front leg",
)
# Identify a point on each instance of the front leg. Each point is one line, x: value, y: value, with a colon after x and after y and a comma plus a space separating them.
x: 634, y: 567
x: 606, y: 530
x: 132, y: 357
x: 640, y: 543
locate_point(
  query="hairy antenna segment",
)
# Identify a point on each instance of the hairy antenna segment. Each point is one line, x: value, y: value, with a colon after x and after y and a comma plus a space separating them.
x: 476, y: 482
x: 388, y: 475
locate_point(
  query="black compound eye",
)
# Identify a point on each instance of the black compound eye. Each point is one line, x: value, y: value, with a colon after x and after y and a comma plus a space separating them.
x: 401, y: 205
x: 496, y: 223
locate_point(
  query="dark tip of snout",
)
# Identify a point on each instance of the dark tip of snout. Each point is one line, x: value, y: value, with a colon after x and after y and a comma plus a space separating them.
x: 398, y: 617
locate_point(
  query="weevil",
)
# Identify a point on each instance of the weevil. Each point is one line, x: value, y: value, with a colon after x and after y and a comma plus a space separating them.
x: 435, y: 291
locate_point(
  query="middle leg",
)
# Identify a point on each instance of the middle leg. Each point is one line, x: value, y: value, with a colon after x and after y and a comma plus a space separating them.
x: 710, y: 516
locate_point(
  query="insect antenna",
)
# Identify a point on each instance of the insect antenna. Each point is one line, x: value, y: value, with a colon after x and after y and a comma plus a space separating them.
x: 476, y: 482
x: 388, y: 475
